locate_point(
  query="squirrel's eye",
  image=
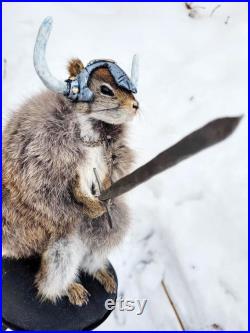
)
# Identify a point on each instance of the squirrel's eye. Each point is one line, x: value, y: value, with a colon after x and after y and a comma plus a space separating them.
x: 106, y: 91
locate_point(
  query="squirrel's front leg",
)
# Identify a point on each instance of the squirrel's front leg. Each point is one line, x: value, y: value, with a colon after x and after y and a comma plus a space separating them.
x: 92, y: 206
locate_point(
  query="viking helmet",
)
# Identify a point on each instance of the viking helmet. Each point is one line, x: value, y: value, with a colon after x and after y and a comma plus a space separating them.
x: 77, y: 89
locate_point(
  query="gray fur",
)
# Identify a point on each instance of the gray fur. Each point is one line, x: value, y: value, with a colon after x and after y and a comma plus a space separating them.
x: 43, y: 148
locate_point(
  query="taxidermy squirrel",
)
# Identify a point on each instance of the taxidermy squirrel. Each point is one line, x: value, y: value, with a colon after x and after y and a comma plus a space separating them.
x: 60, y: 149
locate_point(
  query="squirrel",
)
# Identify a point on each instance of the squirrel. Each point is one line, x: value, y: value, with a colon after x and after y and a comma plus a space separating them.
x: 51, y: 147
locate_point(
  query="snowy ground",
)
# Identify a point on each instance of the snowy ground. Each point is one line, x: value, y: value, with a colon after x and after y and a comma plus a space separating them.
x: 189, y: 224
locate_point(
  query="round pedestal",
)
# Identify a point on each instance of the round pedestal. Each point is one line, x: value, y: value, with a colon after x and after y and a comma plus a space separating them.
x: 22, y: 310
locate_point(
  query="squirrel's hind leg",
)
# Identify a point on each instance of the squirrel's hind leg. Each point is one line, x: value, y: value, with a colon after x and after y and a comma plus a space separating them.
x: 96, y: 264
x: 106, y: 279
x: 59, y: 270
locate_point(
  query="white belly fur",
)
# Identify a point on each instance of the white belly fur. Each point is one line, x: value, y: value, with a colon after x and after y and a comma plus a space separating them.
x: 94, y: 159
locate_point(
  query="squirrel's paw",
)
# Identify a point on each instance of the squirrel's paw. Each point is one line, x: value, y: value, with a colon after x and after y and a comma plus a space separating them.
x: 107, y: 280
x: 77, y: 294
x: 94, y: 209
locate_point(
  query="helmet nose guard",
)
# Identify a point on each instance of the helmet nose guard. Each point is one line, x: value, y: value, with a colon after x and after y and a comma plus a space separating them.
x: 78, y: 91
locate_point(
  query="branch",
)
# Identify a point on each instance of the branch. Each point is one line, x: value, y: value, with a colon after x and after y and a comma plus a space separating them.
x: 212, y: 133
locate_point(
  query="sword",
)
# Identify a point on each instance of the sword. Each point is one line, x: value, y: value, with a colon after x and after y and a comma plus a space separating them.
x: 106, y: 203
x: 206, y: 136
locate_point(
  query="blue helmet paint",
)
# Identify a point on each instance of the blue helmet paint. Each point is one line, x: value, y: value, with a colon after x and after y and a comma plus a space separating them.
x: 78, y: 90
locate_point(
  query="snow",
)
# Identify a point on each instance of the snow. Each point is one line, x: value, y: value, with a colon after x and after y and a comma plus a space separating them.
x: 189, y: 223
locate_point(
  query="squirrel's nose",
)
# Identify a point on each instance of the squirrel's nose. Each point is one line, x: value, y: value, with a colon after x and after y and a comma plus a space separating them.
x: 135, y: 105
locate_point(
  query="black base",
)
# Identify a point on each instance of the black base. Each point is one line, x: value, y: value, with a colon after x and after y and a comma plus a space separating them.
x: 23, y: 311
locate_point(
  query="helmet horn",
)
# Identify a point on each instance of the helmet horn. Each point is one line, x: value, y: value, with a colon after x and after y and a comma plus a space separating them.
x: 40, y: 62
x: 135, y: 70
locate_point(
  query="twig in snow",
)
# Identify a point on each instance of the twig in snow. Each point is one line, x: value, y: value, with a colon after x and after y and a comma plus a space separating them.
x: 148, y: 236
x: 213, y: 11
x: 206, y: 136
x: 188, y: 5
x: 4, y: 68
x: 193, y: 12
x: 227, y: 20
x: 173, y: 306
x: 217, y: 327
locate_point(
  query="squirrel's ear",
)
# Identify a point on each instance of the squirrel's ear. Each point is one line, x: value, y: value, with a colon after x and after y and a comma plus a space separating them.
x: 75, y: 66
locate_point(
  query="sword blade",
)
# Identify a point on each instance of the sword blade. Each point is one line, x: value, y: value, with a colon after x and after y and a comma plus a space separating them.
x: 206, y: 136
